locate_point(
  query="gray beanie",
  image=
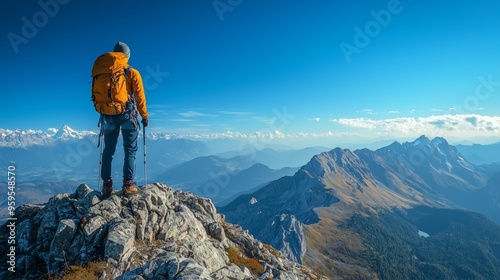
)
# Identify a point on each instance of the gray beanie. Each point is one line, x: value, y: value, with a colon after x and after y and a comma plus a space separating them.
x: 122, y: 47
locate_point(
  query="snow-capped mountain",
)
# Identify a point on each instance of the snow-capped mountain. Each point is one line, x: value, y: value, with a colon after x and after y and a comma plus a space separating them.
x: 22, y: 138
x: 162, y: 136
x: 26, y: 138
x: 69, y: 154
x: 66, y: 133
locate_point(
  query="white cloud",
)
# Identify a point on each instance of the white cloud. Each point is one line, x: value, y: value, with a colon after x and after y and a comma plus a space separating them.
x: 356, y: 123
x: 201, y: 125
x: 182, y: 120
x: 192, y: 114
x: 472, y: 127
x: 358, y: 131
x: 156, y: 112
x: 266, y: 121
x: 466, y: 124
x: 267, y: 134
x: 237, y: 113
x: 369, y: 112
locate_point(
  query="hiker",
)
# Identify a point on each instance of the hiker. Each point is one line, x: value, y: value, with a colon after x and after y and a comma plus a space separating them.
x: 118, y: 93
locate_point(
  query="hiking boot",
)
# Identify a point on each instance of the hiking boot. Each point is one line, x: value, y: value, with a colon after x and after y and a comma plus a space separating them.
x: 129, y: 188
x: 107, y: 189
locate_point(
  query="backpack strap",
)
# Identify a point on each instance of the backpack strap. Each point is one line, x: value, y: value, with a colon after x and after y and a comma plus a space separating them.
x: 130, y: 96
x: 133, y: 113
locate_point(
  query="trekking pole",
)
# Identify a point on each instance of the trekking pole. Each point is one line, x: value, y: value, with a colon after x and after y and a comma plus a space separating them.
x: 144, y: 142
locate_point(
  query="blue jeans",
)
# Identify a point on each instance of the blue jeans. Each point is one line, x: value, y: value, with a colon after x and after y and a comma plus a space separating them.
x: 130, y: 132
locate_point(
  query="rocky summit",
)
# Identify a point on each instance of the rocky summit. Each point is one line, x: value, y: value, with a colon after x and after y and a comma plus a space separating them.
x: 160, y: 233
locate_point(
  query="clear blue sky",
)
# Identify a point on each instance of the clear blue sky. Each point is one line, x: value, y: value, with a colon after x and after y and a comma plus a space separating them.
x: 231, y: 68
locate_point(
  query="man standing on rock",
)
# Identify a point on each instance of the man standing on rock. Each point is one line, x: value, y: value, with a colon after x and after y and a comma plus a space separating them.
x: 118, y: 95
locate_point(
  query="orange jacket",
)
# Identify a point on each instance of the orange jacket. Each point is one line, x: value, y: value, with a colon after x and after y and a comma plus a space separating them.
x: 136, y: 86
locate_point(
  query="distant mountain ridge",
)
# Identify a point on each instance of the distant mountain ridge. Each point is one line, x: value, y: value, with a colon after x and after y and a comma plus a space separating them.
x: 481, y: 154
x: 219, y: 178
x: 204, y: 168
x: 279, y: 158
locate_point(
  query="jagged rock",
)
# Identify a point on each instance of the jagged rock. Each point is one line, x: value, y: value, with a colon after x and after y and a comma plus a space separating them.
x: 160, y: 233
x: 296, y: 196
x: 81, y: 192
x: 286, y: 232
x: 27, y: 211
x: 120, y: 241
x: 172, y: 267
x: 233, y: 272
x: 60, y: 244
x: 216, y: 231
x: 26, y: 238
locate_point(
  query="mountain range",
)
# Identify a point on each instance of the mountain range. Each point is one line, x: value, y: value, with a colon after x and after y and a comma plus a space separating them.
x: 404, y: 211
x: 305, y: 215
x: 61, y: 151
x: 22, y: 138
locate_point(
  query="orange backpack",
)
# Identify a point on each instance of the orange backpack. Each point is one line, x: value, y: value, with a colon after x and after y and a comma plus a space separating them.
x: 109, y: 83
